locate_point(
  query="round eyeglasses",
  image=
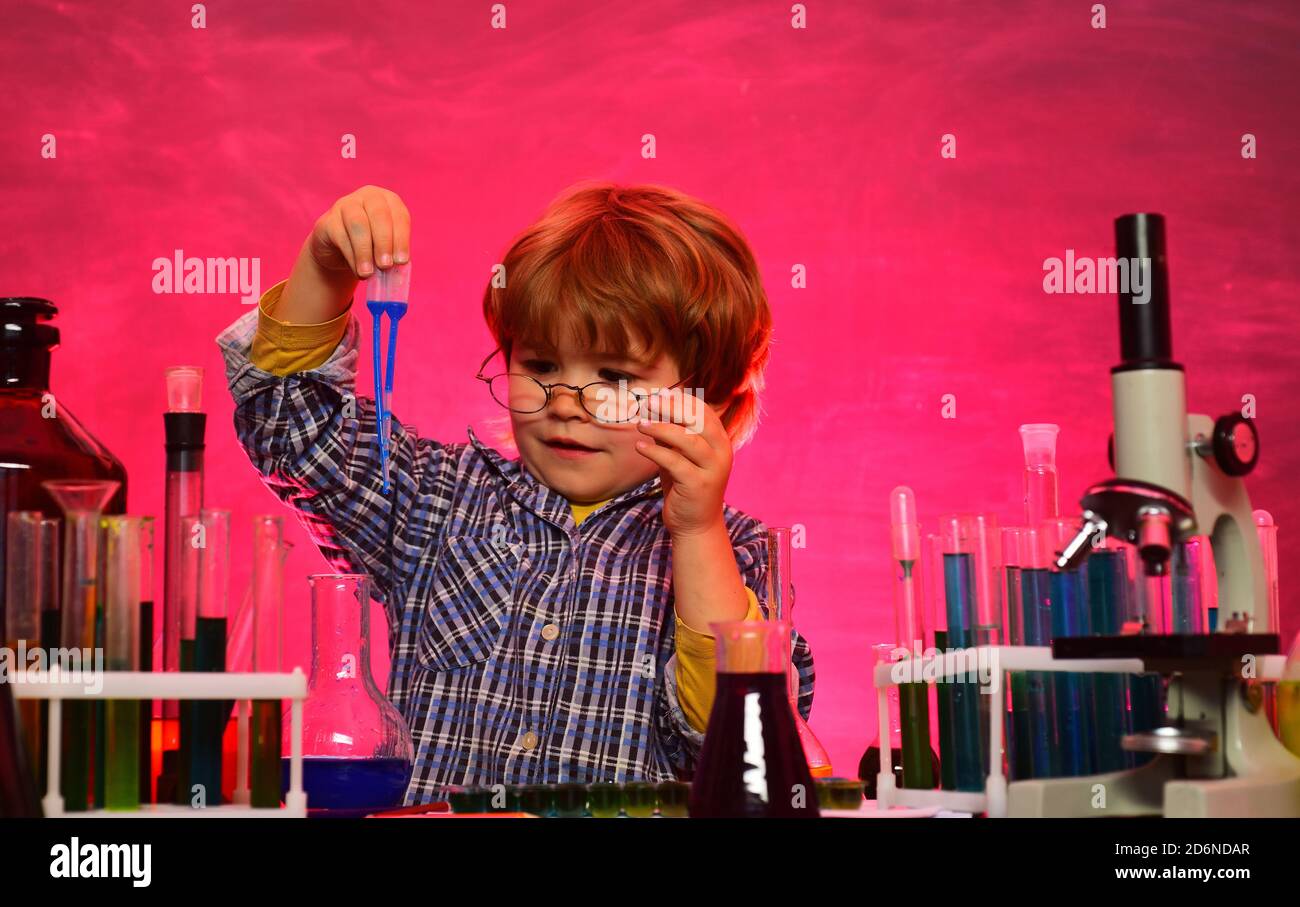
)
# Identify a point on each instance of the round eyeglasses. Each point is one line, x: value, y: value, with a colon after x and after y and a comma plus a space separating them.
x: 608, y: 402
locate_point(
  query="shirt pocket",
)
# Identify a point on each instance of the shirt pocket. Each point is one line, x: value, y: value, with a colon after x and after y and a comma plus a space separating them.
x: 470, y: 592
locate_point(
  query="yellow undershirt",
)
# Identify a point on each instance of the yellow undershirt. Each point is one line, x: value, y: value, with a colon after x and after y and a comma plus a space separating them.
x: 282, y: 348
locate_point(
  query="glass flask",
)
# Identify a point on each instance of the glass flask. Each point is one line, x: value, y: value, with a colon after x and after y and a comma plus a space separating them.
x: 82, y: 503
x: 780, y: 603
x: 356, y: 747
x: 40, y: 438
x: 752, y: 764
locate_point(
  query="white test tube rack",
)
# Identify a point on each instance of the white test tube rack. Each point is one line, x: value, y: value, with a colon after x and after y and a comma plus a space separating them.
x: 56, y: 686
x: 957, y: 663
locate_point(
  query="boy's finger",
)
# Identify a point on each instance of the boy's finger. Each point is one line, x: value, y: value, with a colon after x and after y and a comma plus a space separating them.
x: 667, y: 459
x: 357, y: 224
x: 338, y: 237
x: 401, y: 227
x: 691, y: 446
x: 381, y: 229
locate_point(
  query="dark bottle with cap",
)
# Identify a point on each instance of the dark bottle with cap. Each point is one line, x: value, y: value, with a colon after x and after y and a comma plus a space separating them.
x: 40, y: 438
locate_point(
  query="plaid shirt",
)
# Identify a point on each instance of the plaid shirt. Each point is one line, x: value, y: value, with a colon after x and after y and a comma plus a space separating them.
x: 473, y: 560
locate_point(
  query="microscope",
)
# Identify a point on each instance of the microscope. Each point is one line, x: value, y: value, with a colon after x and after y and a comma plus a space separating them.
x: 1177, y: 476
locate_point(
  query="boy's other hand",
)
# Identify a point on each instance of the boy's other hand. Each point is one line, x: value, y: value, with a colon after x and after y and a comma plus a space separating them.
x: 694, y: 455
x: 366, y: 229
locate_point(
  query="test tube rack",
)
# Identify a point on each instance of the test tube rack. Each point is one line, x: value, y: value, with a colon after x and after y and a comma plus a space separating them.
x: 56, y: 686
x: 957, y: 663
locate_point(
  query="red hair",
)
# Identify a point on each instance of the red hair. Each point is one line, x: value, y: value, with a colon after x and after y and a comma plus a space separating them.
x: 649, y: 267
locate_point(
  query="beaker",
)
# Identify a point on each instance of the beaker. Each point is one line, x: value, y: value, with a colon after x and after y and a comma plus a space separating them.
x: 356, y: 747
x: 780, y: 604
x: 752, y: 764
x: 81, y: 502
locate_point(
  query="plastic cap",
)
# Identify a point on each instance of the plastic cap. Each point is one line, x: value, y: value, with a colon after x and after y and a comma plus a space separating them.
x: 904, y: 529
x: 1039, y: 439
x: 1263, y: 518
x: 184, y: 389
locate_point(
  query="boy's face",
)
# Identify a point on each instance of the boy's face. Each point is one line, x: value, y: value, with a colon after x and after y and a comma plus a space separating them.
x: 611, y: 464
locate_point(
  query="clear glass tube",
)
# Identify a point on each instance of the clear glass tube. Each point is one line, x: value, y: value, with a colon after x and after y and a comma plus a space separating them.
x: 1267, y: 531
x: 962, y: 588
x: 780, y: 602
x: 122, y: 643
x: 1036, y: 605
x: 1040, y: 482
x: 909, y: 631
x: 1019, y: 748
x: 210, y: 542
x: 269, y: 552
x: 1187, y: 603
x: 1075, y: 705
x: 31, y: 553
x: 150, y: 755
x: 82, y: 503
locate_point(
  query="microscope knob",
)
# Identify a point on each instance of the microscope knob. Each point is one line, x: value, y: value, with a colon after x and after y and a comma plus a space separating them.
x: 1235, y: 444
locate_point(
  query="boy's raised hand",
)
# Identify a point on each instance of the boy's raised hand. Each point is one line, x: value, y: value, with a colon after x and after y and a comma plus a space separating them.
x: 365, y: 229
x: 694, y: 455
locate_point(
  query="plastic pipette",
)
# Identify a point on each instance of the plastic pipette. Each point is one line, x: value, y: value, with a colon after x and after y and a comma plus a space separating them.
x: 387, y: 292
x: 909, y: 630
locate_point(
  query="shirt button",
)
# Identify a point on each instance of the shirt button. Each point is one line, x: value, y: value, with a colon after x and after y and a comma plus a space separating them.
x: 550, y: 631
x: 529, y: 741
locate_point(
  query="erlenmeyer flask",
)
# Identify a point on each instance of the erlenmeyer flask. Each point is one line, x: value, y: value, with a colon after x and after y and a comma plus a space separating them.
x: 357, y: 749
x: 752, y: 764
x: 780, y: 603
x: 81, y: 503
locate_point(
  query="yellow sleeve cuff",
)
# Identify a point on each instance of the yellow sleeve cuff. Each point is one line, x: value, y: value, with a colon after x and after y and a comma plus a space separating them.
x: 282, y: 348
x: 696, y: 683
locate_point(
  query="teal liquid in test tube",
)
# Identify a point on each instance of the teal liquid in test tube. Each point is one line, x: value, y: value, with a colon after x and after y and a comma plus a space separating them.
x: 387, y: 293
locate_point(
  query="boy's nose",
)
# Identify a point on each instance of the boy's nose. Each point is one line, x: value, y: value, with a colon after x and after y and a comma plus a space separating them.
x: 564, y: 402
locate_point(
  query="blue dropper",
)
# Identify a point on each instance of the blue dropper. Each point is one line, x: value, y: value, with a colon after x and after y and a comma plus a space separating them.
x: 387, y: 292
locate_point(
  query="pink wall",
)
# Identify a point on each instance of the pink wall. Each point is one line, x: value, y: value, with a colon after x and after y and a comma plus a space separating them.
x: 924, y: 274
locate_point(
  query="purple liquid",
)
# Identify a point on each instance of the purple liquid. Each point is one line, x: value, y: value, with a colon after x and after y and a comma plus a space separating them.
x: 351, y: 783
x: 752, y: 764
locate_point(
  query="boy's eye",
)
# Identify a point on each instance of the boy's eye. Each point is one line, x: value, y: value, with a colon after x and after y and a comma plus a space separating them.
x: 544, y: 366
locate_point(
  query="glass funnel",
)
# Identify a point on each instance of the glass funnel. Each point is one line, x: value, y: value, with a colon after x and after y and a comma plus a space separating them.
x: 780, y: 604
x: 357, y: 749
x: 82, y: 503
x: 752, y: 764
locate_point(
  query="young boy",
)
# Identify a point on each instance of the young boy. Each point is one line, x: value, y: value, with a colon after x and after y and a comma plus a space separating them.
x: 548, y: 615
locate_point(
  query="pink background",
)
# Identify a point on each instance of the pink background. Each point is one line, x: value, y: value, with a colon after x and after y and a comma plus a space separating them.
x: 924, y: 274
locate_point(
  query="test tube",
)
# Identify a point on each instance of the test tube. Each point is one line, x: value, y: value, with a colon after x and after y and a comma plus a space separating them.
x: 1070, y: 617
x: 269, y: 551
x: 1040, y: 483
x: 909, y: 627
x: 1107, y: 582
x: 122, y: 653
x: 1187, y: 614
x: 148, y: 769
x: 1036, y: 602
x: 184, y: 424
x: 937, y: 614
x: 81, y: 502
x: 1267, y: 531
x: 960, y: 592
x: 209, y: 716
x: 31, y: 558
x: 1019, y: 748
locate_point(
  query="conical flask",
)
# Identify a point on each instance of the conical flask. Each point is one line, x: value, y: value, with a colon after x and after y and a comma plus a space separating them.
x: 356, y: 746
x: 752, y: 764
x: 780, y: 604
